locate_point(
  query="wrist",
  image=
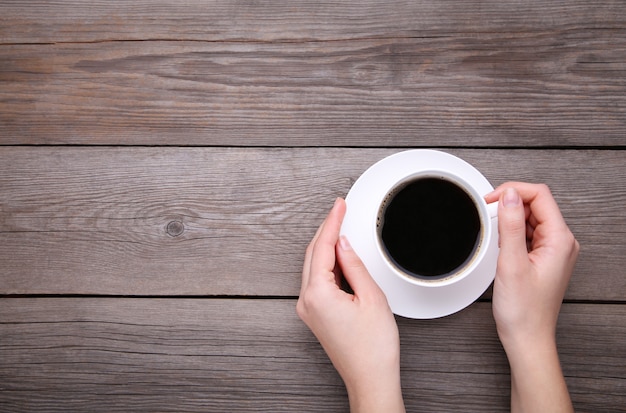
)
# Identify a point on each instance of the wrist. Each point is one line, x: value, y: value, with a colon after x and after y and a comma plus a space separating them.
x: 537, y: 382
x: 532, y: 354
x: 529, y: 347
x: 376, y: 393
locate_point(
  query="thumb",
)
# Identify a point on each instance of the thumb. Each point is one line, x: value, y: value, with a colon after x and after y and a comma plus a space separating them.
x: 354, y: 271
x: 512, y: 228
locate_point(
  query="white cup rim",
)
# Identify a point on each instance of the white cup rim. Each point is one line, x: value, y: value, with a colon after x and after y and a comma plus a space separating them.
x: 485, y: 231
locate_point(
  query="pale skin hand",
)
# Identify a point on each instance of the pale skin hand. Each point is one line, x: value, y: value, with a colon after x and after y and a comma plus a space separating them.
x: 536, y: 260
x: 358, y: 331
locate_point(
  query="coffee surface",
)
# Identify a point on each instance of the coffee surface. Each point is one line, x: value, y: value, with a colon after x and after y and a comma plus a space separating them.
x: 430, y: 227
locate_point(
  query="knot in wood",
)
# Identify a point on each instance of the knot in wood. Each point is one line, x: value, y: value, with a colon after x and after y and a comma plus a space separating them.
x: 175, y: 228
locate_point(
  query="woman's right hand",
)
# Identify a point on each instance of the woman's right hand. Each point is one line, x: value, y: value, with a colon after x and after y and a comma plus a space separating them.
x: 537, y: 257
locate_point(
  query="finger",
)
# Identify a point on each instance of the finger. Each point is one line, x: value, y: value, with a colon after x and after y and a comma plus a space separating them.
x: 543, y: 209
x: 306, y: 267
x: 308, y: 257
x: 355, y: 272
x: 530, y: 230
x: 532, y: 221
x: 323, y: 250
x: 493, y: 196
x: 512, y: 228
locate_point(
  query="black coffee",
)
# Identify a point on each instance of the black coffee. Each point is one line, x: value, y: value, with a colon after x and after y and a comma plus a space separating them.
x: 429, y: 227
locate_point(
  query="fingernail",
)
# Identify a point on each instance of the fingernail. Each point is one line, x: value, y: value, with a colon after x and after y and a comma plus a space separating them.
x: 344, y: 243
x: 336, y: 203
x: 511, y: 198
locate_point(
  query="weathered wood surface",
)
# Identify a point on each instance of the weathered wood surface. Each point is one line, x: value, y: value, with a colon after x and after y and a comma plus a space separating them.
x: 96, y: 220
x: 79, y: 21
x: 262, y: 113
x: 300, y: 74
x: 109, y: 354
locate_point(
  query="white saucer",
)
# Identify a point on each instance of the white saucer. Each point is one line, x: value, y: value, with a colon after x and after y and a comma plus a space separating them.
x: 406, y: 298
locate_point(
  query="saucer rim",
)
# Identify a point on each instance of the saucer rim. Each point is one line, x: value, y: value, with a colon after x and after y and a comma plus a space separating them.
x: 406, y: 298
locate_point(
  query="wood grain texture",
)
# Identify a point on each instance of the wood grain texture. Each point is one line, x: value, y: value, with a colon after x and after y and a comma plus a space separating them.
x: 178, y: 150
x: 299, y: 20
x: 181, y: 355
x: 96, y: 220
x: 403, y: 74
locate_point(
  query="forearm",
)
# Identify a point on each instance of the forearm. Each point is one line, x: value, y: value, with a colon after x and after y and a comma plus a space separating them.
x: 537, y: 382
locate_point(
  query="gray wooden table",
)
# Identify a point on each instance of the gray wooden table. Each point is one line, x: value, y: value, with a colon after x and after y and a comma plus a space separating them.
x: 164, y: 164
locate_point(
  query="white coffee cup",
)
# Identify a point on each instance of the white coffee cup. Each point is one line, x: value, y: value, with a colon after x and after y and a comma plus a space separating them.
x: 410, y: 294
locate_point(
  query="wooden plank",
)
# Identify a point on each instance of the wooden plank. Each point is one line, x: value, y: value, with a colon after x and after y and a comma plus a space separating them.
x: 234, y: 221
x: 113, y: 355
x: 298, y: 20
x: 546, y: 88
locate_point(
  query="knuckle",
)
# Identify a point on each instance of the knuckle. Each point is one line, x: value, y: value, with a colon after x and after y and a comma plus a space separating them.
x: 569, y: 243
x: 307, y: 302
x: 544, y: 189
x: 575, y: 245
x: 300, y: 308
